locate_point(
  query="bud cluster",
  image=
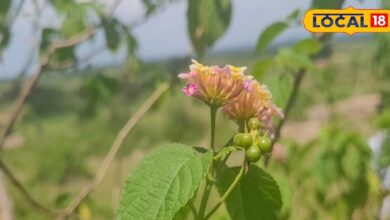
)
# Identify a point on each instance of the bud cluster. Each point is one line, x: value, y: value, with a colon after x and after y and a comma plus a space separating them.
x: 254, y: 143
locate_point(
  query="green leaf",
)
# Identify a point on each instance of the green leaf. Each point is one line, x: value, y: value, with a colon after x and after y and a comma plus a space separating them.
x: 290, y: 60
x: 207, y: 22
x: 132, y: 44
x: 5, y: 35
x: 257, y: 196
x: 4, y: 7
x: 112, y: 34
x: 281, y: 87
x: 293, y: 15
x: 74, y: 24
x: 150, y: 6
x: 307, y: 46
x: 46, y: 39
x: 261, y: 68
x: 327, y: 4
x: 183, y: 213
x: 269, y: 34
x: 163, y: 182
x: 65, y: 54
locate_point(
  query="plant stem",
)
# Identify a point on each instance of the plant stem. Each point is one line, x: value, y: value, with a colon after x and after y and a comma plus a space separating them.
x: 213, y: 115
x: 209, y: 185
x: 228, y: 192
x: 291, y: 101
x: 205, y: 198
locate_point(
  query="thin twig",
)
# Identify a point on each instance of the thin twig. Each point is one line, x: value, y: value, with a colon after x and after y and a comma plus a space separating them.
x: 291, y: 101
x: 30, y: 84
x: 18, y: 104
x: 102, y: 171
x: 24, y: 191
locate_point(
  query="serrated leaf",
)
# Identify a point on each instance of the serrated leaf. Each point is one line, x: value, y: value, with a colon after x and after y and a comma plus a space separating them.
x: 163, y: 183
x: 307, y: 46
x: 327, y: 4
x: 261, y: 68
x: 269, y: 34
x: 207, y: 22
x: 257, y: 196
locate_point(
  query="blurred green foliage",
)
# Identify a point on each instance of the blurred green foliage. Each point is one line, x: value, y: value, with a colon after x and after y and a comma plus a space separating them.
x: 329, y: 178
x: 71, y: 119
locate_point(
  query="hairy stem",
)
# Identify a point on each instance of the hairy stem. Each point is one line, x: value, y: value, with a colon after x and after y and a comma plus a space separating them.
x: 213, y: 115
x: 209, y: 184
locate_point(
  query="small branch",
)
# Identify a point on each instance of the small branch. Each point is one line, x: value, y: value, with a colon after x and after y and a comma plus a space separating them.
x: 6, y: 204
x: 102, y: 171
x: 24, y: 191
x: 18, y: 104
x: 291, y: 101
x: 30, y: 84
x: 228, y: 192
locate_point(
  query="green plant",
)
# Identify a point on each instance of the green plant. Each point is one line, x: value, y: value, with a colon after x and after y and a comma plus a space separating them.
x: 166, y: 182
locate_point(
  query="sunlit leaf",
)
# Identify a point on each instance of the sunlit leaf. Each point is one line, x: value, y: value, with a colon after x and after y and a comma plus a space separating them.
x: 257, y: 196
x: 307, y: 46
x: 281, y: 87
x: 291, y: 60
x: 207, y: 22
x: 261, y: 68
x: 74, y: 23
x: 163, y: 182
x: 269, y: 34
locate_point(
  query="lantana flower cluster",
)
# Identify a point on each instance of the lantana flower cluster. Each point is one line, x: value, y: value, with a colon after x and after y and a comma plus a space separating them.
x: 240, y: 96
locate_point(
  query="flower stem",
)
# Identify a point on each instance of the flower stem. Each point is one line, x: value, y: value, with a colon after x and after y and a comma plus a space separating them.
x: 209, y: 185
x: 213, y: 115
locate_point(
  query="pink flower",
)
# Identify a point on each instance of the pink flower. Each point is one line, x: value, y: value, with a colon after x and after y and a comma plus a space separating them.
x: 254, y: 101
x: 190, y: 89
x: 214, y: 85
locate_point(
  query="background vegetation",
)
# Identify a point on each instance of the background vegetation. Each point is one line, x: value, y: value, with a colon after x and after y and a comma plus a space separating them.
x: 322, y: 163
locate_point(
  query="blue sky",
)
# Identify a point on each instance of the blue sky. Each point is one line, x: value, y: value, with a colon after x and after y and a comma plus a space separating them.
x: 164, y: 35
